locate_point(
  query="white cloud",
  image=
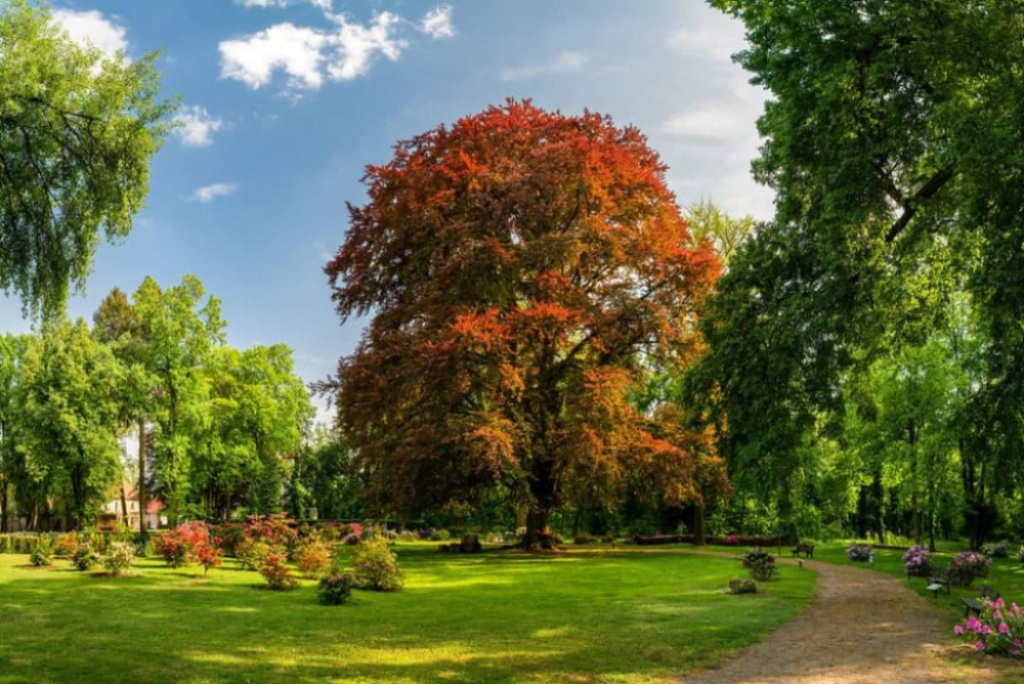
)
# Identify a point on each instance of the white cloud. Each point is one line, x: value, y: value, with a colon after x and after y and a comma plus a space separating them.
x: 564, y: 63
x: 325, y: 5
x: 208, y: 193
x: 196, y: 127
x: 311, y: 56
x: 353, y: 46
x: 715, y: 121
x: 293, y: 49
x: 92, y: 28
x: 714, y: 36
x: 437, y: 23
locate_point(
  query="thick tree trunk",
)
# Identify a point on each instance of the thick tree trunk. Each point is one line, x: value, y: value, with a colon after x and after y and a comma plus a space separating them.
x: 538, y: 529
x: 698, y: 524
x: 5, y: 508
x: 142, y: 479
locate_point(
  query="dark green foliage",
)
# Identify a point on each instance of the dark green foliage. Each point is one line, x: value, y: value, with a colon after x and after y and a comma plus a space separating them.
x: 43, y: 553
x: 84, y: 558
x: 760, y: 564
x: 335, y: 587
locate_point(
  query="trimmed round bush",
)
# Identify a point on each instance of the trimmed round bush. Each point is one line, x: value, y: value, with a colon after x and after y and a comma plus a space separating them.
x: 375, y: 567
x: 335, y: 587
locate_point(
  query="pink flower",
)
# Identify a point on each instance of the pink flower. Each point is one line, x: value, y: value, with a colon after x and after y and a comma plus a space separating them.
x: 1017, y: 642
x: 973, y: 624
x: 979, y: 645
x: 958, y: 630
x: 985, y: 629
x: 1004, y: 628
x: 997, y: 615
x: 1000, y: 602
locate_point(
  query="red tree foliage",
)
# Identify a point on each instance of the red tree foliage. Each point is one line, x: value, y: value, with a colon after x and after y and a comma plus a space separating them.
x: 523, y: 269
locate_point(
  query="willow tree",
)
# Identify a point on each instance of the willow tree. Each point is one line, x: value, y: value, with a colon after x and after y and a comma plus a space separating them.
x: 524, y: 268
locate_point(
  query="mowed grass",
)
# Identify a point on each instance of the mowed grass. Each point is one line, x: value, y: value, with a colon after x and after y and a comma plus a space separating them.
x: 583, y: 616
x: 1005, y: 576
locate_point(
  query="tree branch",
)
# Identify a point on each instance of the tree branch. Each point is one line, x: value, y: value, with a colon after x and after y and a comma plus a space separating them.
x: 927, y: 191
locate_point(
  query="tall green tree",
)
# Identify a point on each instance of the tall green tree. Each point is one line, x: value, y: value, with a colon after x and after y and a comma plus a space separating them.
x: 117, y: 325
x: 892, y: 139
x: 70, y: 384
x: 182, y: 328
x: 77, y: 132
x: 12, y: 351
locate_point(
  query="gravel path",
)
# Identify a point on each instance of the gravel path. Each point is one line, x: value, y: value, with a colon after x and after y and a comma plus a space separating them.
x: 864, y: 627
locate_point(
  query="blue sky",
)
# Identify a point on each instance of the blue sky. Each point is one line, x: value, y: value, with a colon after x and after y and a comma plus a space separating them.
x: 285, y: 101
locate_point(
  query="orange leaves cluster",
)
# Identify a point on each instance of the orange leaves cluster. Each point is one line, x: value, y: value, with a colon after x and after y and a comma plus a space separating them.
x: 523, y: 267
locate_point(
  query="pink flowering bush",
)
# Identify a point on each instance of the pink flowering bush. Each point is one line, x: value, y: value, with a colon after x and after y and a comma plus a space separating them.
x: 917, y: 561
x: 998, y: 631
x: 966, y: 566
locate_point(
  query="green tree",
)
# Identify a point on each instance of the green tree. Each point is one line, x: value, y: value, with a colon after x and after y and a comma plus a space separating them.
x: 181, y: 331
x: 70, y: 421
x: 12, y: 351
x: 77, y: 132
x: 117, y: 325
x: 892, y: 140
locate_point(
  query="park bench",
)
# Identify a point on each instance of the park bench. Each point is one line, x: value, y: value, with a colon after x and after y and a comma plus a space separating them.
x: 938, y: 580
x: 975, y: 606
x: 806, y: 549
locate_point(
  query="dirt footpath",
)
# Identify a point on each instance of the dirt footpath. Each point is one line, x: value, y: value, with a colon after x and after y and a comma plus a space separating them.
x: 864, y: 627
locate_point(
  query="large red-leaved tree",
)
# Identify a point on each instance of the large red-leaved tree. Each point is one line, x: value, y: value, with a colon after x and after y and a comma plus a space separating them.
x: 524, y: 269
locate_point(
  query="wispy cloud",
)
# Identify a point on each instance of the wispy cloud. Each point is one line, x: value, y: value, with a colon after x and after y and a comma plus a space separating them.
x: 196, y: 127
x: 564, y: 63
x: 437, y: 23
x: 310, y: 56
x: 92, y: 28
x: 714, y: 37
x: 325, y: 5
x: 209, y: 193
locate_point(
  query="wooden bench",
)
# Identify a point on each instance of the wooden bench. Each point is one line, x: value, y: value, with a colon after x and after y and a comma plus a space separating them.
x: 938, y: 580
x: 975, y: 605
x: 806, y: 549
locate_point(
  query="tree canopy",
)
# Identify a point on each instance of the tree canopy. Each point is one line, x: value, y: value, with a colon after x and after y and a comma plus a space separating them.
x: 525, y: 268
x: 77, y: 132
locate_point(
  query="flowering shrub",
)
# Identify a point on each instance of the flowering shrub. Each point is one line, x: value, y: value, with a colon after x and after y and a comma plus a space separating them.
x: 179, y: 546
x: 253, y: 553
x: 375, y: 566
x: 732, y: 540
x: 440, y: 535
x: 120, y: 557
x: 335, y: 587
x: 313, y: 558
x: 761, y: 564
x: 408, y: 536
x: 859, y: 553
x: 277, y: 574
x: 351, y: 539
x: 966, y: 566
x: 583, y: 539
x: 208, y: 555
x: 917, y: 561
x: 999, y: 630
x: 996, y: 549
x: 426, y: 533
x: 742, y: 586
x: 273, y: 530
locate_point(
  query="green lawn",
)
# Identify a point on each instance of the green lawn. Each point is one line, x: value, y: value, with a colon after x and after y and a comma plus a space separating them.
x: 1005, y: 576
x: 618, y: 616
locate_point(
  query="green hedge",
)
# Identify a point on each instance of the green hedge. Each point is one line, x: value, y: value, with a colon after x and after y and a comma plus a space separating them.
x: 26, y: 542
